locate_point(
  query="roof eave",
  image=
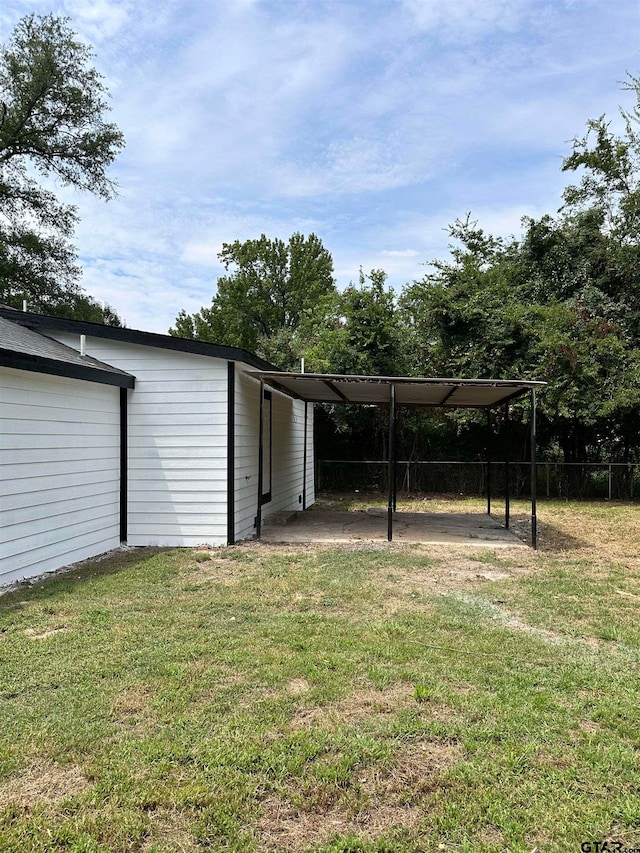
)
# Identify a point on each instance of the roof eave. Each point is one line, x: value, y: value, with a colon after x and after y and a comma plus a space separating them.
x: 40, y: 364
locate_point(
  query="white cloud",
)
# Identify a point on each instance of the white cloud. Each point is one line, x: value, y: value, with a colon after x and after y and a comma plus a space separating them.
x: 409, y: 254
x: 463, y: 20
x: 100, y: 20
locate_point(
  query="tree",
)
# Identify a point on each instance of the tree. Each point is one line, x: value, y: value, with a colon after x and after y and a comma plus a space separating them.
x: 360, y: 333
x: 357, y: 331
x: 608, y: 193
x: 273, y: 290
x: 537, y: 308
x: 52, y: 108
x: 89, y: 310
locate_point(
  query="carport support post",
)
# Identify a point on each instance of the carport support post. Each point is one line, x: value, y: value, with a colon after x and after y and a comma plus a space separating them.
x: 395, y: 478
x: 507, y: 484
x: 392, y: 459
x: 534, y: 476
x: 260, y: 471
x: 488, y: 461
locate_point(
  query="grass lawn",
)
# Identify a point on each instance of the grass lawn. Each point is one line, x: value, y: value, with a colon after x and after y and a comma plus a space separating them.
x: 355, y: 699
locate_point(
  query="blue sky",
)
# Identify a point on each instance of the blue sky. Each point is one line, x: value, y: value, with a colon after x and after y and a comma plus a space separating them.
x: 373, y: 123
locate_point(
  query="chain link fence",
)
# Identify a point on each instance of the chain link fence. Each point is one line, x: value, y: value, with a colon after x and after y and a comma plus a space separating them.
x: 569, y: 481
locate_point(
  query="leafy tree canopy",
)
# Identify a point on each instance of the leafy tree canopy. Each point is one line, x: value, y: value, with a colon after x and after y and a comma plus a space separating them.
x: 52, y: 123
x: 272, y: 291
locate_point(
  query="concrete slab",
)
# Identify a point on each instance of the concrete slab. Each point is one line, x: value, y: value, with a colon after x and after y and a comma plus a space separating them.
x: 371, y: 525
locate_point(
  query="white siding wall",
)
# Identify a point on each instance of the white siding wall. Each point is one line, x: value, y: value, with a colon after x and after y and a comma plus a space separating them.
x: 246, y: 453
x: 311, y: 455
x: 287, y: 454
x: 177, y: 443
x: 59, y: 472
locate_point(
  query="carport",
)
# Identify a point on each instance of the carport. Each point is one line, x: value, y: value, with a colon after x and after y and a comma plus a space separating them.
x: 415, y: 392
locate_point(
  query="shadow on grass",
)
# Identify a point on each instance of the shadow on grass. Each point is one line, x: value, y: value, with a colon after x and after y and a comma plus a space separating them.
x: 49, y: 585
x: 550, y: 537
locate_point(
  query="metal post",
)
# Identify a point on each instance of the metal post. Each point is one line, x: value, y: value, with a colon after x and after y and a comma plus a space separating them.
x: 395, y: 478
x: 260, y: 461
x: 304, y: 452
x: 507, y: 484
x: 534, y: 484
x: 610, y: 484
x: 488, y: 461
x: 392, y: 459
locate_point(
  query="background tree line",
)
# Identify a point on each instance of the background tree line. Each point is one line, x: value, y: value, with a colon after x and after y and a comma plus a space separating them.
x: 560, y: 303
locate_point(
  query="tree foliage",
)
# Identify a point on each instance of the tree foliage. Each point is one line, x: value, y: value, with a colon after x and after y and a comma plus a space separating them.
x: 52, y: 124
x: 271, y: 293
x: 362, y: 334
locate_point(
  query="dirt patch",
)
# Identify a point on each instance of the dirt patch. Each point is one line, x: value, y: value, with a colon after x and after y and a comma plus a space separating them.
x: 431, y: 569
x: 490, y: 836
x: 215, y: 570
x: 415, y: 770
x: 43, y: 782
x: 552, y: 637
x: 589, y: 726
x: 168, y: 829
x: 43, y: 634
x: 369, y: 701
x: 131, y: 707
x: 376, y: 801
x: 549, y: 636
x: 358, y: 705
x: 308, y: 718
x: 298, y: 686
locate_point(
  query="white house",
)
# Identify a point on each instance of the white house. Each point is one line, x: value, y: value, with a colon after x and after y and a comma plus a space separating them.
x: 112, y: 435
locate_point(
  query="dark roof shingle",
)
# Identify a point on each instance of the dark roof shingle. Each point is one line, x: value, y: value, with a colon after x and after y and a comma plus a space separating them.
x: 26, y: 349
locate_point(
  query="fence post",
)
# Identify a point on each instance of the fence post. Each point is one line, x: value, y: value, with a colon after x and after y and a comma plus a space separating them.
x: 610, y: 489
x: 391, y: 465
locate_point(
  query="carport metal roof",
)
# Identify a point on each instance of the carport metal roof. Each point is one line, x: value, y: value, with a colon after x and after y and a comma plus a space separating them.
x: 409, y: 391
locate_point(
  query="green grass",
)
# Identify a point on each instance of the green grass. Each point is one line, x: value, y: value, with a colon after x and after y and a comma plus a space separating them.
x: 361, y: 700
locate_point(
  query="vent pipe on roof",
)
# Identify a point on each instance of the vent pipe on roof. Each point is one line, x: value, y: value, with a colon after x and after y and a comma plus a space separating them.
x: 24, y: 304
x: 302, y: 365
x: 83, y: 344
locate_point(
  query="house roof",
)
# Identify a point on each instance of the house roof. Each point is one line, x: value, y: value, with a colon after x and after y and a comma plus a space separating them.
x: 409, y: 391
x: 134, y: 336
x: 25, y: 349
